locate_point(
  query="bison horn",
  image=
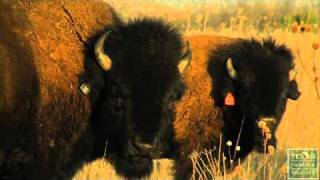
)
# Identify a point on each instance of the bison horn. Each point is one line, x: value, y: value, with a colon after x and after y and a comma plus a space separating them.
x: 231, y: 71
x: 103, y: 59
x: 186, y: 58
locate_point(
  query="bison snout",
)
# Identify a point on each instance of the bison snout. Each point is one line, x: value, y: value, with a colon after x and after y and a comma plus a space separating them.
x: 148, y: 150
x: 144, y: 146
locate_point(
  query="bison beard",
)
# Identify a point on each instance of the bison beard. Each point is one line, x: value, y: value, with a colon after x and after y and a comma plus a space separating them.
x: 47, y: 51
x: 255, y: 73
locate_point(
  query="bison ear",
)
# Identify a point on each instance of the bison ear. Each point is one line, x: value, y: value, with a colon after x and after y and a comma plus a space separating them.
x: 231, y: 70
x: 293, y: 91
x: 102, y: 58
x: 186, y: 58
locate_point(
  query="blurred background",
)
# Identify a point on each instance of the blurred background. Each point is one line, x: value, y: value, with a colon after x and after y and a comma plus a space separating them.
x: 216, y: 15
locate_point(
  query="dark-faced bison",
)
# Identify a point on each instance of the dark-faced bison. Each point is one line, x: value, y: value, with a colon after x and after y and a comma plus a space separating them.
x: 128, y: 74
x: 256, y: 74
x: 133, y: 111
x: 248, y: 82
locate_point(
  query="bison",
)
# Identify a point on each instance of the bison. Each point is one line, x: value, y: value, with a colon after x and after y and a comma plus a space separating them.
x: 245, y: 87
x: 129, y: 76
x: 133, y: 111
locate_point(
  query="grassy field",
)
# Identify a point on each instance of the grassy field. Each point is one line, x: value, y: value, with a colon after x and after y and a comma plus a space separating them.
x: 299, y: 128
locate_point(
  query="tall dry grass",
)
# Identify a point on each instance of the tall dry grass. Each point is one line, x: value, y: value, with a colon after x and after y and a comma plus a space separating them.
x: 102, y: 170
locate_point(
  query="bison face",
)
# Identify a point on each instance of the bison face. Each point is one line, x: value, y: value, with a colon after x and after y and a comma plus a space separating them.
x: 261, y: 88
x: 136, y: 123
x: 142, y: 61
x: 252, y: 85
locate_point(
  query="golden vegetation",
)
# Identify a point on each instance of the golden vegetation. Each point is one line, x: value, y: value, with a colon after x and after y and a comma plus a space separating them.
x: 102, y: 170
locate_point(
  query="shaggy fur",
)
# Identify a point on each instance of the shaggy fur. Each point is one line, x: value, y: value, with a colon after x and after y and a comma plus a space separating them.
x: 262, y: 89
x: 197, y: 123
x: 134, y: 106
x: 44, y: 118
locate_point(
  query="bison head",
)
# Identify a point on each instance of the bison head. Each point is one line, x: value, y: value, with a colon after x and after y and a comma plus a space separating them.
x: 251, y: 84
x: 142, y: 62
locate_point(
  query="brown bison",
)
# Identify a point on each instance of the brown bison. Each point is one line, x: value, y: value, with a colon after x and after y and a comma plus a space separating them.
x: 128, y: 74
x: 234, y: 87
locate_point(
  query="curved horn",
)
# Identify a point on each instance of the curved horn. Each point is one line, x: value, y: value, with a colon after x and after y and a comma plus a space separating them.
x: 103, y: 59
x: 231, y: 71
x: 186, y: 58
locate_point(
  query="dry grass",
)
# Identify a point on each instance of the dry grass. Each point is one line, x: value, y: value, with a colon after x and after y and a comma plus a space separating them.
x: 255, y: 167
x: 102, y: 170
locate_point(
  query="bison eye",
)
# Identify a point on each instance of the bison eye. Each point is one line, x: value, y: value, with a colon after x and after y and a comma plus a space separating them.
x: 177, y: 92
x: 284, y: 94
x: 116, y: 98
x: 175, y: 96
x: 245, y: 93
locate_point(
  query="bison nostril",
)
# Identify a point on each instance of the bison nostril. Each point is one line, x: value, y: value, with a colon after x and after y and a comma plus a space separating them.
x: 144, y: 146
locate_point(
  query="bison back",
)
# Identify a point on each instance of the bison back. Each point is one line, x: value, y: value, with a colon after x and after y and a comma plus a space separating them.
x: 198, y: 123
x: 42, y: 54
